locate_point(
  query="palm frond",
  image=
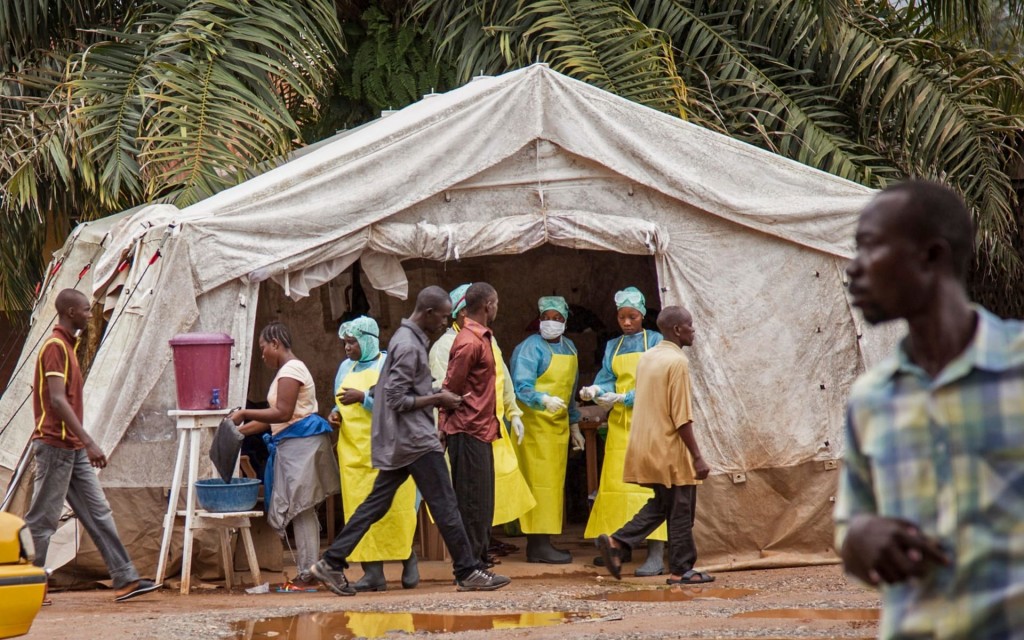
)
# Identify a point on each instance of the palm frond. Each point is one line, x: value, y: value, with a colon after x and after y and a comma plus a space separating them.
x: 599, y: 41
x: 933, y: 115
x: 740, y: 86
x: 191, y: 94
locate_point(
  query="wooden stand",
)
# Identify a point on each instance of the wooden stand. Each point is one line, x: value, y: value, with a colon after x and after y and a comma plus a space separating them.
x: 190, y: 431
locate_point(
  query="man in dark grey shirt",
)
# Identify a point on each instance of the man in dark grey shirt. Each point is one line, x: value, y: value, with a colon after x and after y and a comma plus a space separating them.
x: 405, y: 443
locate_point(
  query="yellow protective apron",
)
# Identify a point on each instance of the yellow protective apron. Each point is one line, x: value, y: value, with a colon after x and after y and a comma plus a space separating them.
x: 512, y: 496
x: 390, y: 538
x: 365, y: 624
x: 545, y: 447
x: 617, y: 501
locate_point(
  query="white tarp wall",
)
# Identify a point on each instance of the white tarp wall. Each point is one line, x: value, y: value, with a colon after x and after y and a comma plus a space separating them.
x: 752, y: 243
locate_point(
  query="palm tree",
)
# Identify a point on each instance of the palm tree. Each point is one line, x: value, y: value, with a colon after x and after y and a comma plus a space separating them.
x: 108, y: 104
x: 871, y: 91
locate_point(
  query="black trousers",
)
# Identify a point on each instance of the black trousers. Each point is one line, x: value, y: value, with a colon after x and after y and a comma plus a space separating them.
x: 676, y: 505
x: 430, y: 473
x: 473, y: 477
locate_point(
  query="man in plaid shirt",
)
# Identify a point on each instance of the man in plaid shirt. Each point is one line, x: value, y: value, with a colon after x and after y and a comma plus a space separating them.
x: 931, y: 497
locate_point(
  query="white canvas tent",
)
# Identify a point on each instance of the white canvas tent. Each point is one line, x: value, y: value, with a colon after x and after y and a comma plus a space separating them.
x: 752, y: 243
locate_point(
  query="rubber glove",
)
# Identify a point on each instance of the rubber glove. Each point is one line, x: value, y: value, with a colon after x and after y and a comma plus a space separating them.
x: 577, y: 439
x: 606, y: 400
x: 552, y: 403
x: 518, y: 428
x: 589, y: 393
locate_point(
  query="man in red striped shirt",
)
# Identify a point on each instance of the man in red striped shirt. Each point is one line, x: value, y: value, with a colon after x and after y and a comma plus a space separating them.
x: 65, y: 454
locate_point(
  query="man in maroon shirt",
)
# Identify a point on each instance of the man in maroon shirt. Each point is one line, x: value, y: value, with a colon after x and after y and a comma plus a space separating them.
x: 65, y: 454
x: 471, y: 427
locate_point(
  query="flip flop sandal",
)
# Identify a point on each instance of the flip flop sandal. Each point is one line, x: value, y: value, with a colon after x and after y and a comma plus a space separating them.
x: 612, y: 556
x: 143, y: 587
x: 291, y: 587
x: 702, y: 577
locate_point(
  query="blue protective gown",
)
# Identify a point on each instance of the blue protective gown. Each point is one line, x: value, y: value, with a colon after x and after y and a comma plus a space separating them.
x: 532, y: 358
x: 630, y: 344
x: 348, y: 366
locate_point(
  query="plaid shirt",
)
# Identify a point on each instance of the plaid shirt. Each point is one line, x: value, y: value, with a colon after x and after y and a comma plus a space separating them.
x: 948, y: 455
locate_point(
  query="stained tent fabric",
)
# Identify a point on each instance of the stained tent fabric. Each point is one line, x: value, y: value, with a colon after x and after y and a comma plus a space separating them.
x: 752, y: 243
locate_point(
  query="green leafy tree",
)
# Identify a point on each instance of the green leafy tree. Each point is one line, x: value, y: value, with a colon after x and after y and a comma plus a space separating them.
x: 108, y: 104
x: 870, y: 90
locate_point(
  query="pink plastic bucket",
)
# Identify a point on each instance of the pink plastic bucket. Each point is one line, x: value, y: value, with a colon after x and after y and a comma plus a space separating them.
x: 202, y: 367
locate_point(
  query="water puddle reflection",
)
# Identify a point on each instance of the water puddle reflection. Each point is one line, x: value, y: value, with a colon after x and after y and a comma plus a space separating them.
x: 813, y: 614
x: 673, y: 594
x: 341, y: 625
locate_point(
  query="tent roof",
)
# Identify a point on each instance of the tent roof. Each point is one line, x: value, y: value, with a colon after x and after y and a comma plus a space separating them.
x: 313, y: 208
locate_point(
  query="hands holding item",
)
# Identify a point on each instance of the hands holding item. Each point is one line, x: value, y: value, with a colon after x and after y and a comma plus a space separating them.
x: 518, y: 428
x: 589, y: 393
x: 351, y: 396
x: 237, y: 416
x: 448, y: 400
x: 892, y: 550
x: 553, y: 404
x: 606, y: 400
x: 576, y: 437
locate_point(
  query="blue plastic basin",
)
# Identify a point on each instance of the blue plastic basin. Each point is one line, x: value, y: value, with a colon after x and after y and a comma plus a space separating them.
x: 215, y: 495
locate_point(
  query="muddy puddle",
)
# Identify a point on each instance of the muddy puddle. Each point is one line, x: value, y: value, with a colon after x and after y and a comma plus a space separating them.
x: 341, y: 625
x: 673, y: 594
x: 812, y: 614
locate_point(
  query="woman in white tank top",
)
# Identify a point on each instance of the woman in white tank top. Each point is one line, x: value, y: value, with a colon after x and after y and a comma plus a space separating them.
x: 302, y: 470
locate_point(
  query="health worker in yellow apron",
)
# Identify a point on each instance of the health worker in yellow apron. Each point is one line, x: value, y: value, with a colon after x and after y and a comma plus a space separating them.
x: 545, y: 372
x: 512, y: 496
x: 390, y: 538
x: 617, y: 501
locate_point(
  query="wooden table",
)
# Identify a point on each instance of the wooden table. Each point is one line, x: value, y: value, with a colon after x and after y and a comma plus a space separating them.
x: 591, y: 419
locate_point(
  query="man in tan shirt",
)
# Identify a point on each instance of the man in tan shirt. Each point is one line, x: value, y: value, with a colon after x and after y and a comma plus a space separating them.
x: 663, y: 454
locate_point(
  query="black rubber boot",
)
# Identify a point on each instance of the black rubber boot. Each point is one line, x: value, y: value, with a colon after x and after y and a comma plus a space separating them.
x: 539, y: 549
x: 655, y: 563
x: 373, y: 578
x: 410, y: 572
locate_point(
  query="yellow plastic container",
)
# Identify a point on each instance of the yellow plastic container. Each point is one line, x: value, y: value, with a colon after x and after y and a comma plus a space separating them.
x: 22, y: 584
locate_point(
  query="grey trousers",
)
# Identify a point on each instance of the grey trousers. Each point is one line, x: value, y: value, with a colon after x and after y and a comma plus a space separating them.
x: 306, y: 530
x: 66, y: 474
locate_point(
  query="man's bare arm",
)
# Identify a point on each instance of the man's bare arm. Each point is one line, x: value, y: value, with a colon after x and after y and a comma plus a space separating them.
x: 699, y: 466
x: 58, y: 393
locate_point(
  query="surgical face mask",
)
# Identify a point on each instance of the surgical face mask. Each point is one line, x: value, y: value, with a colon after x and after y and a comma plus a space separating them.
x: 551, y: 329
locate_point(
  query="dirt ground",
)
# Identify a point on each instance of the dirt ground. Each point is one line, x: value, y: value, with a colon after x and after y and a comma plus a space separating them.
x: 819, y: 602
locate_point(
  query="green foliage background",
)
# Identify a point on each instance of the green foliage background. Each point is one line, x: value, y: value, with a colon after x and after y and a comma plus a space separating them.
x: 108, y: 104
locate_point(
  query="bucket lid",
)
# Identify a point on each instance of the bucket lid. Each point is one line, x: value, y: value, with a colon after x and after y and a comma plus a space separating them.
x: 183, y: 339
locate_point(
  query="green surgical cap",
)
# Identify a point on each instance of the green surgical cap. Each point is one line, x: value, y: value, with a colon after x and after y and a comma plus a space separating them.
x: 365, y: 331
x: 553, y: 303
x: 632, y: 298
x: 458, y: 297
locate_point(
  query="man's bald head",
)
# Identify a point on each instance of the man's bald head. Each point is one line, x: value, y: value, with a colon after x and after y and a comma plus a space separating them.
x: 928, y: 210
x: 676, y: 325
x: 433, y: 308
x: 672, y: 316
x: 73, y: 310
x: 68, y: 299
x: 432, y: 297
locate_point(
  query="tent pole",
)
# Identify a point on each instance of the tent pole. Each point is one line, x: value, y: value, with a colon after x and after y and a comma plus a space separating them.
x: 16, y: 479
